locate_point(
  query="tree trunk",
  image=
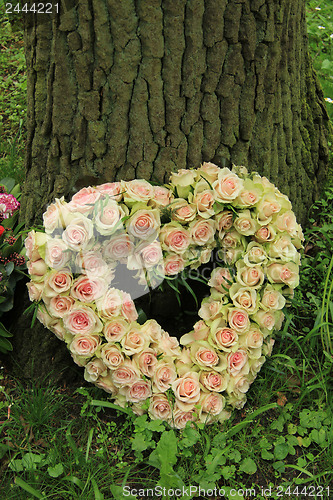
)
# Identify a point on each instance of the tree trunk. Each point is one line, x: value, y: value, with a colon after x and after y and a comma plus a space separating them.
x: 136, y: 89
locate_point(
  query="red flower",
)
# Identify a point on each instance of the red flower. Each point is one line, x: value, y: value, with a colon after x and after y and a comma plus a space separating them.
x: 2, y: 230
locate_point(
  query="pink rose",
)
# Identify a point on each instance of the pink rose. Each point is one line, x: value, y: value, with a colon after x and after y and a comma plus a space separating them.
x: 109, y: 218
x: 115, y: 329
x: 208, y: 171
x: 182, y: 211
x: 220, y: 279
x: 187, y: 390
x: 139, y: 391
x: 146, y: 361
x: 92, y: 264
x: 85, y: 344
x: 94, y: 369
x: 134, y: 342
x: 118, y: 248
x: 37, y: 268
x: 224, y: 338
x: 164, y: 375
x: 244, y: 297
x: 286, y: 273
x: 60, y: 305
x: 265, y: 233
x: 137, y: 190
x: 204, y: 355
x: 110, y: 305
x: 173, y: 264
x: 84, y: 200
x: 151, y: 255
x: 88, y: 290
x: 57, y: 282
x: 239, y: 320
x: 214, y: 381
x: 159, y: 407
x: 212, y: 403
x: 57, y: 254
x: 175, y: 238
x: 250, y: 276
x: 180, y: 417
x: 82, y: 320
x: 34, y: 243
x: 111, y: 356
x: 78, y: 233
x: 227, y: 186
x: 168, y: 346
x: 224, y: 220
x: 236, y: 361
x: 112, y: 189
x: 202, y: 231
x: 128, y: 309
x: 204, y: 202
x: 126, y: 374
x: 162, y: 197
x: 253, y: 339
x: 144, y: 224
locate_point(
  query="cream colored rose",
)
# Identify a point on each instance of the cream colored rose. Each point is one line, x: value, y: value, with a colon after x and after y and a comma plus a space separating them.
x: 84, y: 200
x: 245, y: 224
x: 94, y: 369
x: 57, y: 254
x: 60, y: 305
x: 162, y: 197
x: 249, y: 195
x: 115, y: 329
x: 268, y: 206
x: 57, y: 282
x: 82, y: 319
x: 204, y: 200
x: 208, y: 171
x: 200, y: 332
x: 37, y: 269
x: 183, y: 363
x: 268, y: 347
x: 223, y: 337
x: 244, y: 297
x: 232, y: 239
x: 239, y: 320
x: 211, y: 403
x: 202, y: 231
x: 152, y: 330
x: 55, y: 214
x: 173, y: 264
x: 287, y: 222
x: 109, y: 306
x: 210, y: 309
x: 265, y: 233
x: 286, y: 273
x: 182, y: 181
x: 107, y: 384
x: 265, y: 319
x: 272, y: 299
x: 146, y: 361
x: 35, y: 291
x: 256, y: 364
x: 144, y: 223
x: 227, y: 186
x: 164, y: 374
x: 108, y: 218
x: 35, y: 245
x: 253, y: 339
x: 159, y: 407
x: 182, y: 211
x: 255, y: 254
x: 134, y: 341
x: 180, y: 417
x: 224, y: 221
x: 203, y: 354
x: 137, y: 190
x: 168, y: 346
x: 249, y: 276
x: 138, y: 391
x: 175, y: 238
x: 111, y: 355
x: 187, y: 390
x: 283, y: 249
x: 85, y: 344
x: 238, y: 385
x: 214, y: 381
x: 126, y: 374
x: 78, y: 233
x: 238, y: 362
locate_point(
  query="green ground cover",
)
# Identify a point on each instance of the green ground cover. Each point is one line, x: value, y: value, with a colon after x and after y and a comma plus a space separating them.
x: 64, y: 443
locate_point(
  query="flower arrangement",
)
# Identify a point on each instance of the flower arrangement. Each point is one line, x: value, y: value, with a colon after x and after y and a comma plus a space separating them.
x: 12, y: 262
x: 79, y: 276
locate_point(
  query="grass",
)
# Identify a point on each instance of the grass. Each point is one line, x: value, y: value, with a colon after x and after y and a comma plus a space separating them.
x: 62, y: 443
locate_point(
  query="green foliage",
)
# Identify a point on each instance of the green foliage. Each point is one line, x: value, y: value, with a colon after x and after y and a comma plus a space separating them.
x: 320, y: 31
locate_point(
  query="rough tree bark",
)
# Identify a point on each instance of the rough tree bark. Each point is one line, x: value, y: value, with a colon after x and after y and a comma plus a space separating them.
x: 136, y: 88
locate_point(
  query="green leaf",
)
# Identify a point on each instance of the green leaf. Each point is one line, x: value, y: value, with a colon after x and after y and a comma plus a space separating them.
x: 248, y: 466
x: 8, y: 182
x: 55, y: 471
x: 281, y: 451
x: 140, y: 443
x: 29, y: 489
x: 5, y: 345
x: 165, y: 451
x: 190, y: 437
x: 266, y: 455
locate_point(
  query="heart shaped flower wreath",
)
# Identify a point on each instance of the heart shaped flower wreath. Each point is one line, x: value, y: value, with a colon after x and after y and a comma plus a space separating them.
x: 80, y: 290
